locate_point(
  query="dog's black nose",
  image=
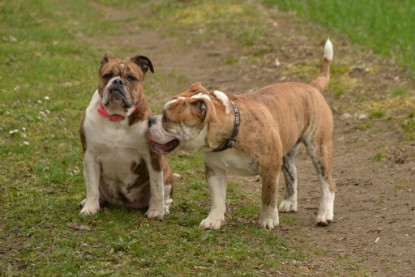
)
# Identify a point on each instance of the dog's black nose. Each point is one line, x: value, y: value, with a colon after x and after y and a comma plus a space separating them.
x: 118, y: 81
x: 152, y: 121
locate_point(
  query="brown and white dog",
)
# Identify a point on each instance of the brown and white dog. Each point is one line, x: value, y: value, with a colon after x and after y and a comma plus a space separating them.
x: 119, y: 166
x: 256, y: 133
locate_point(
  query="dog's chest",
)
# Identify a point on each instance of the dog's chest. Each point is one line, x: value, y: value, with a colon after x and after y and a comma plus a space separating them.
x: 118, y: 149
x: 233, y: 161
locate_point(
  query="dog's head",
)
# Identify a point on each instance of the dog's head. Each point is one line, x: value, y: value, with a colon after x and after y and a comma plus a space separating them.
x: 121, y: 81
x: 191, y: 121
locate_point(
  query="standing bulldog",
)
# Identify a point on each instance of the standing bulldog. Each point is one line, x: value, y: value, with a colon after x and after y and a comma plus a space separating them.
x: 254, y: 133
x: 119, y: 167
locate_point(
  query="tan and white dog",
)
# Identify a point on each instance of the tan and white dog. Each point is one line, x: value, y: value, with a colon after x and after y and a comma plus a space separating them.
x: 257, y: 133
x: 119, y: 166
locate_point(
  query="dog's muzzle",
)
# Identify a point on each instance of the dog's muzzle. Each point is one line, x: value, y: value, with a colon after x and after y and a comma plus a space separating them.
x: 116, y: 92
x: 161, y: 141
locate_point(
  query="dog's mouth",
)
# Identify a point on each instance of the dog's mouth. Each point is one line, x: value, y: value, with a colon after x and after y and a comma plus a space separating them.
x: 164, y: 148
x: 117, y: 97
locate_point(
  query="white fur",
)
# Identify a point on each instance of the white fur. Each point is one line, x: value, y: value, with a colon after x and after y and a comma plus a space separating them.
x: 289, y: 204
x: 167, y: 192
x: 328, y: 50
x: 196, y: 142
x: 188, y: 132
x: 219, y: 163
x: 174, y: 100
x: 224, y: 98
x: 159, y: 134
x: 269, y: 217
x: 233, y: 161
x: 114, y: 146
x: 169, y: 103
x: 326, y: 210
x: 201, y: 95
x: 217, y: 188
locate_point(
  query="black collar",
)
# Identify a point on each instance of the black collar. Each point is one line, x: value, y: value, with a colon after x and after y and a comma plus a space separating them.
x: 231, y: 141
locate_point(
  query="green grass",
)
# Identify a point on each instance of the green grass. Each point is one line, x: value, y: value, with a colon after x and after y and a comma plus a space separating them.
x: 51, y: 51
x: 385, y: 26
x: 48, y: 74
x: 378, y: 157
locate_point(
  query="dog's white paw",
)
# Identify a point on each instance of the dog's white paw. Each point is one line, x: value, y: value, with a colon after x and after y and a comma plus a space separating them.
x: 324, y: 218
x: 268, y: 218
x: 288, y: 206
x: 212, y: 222
x: 269, y: 223
x: 325, y: 212
x: 89, y: 208
x: 157, y: 212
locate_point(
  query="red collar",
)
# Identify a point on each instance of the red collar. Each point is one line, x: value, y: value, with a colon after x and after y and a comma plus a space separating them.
x: 115, y: 117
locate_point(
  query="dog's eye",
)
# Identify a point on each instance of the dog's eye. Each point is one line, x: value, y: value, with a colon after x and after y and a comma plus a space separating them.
x: 108, y: 76
x: 165, y: 119
x: 132, y: 78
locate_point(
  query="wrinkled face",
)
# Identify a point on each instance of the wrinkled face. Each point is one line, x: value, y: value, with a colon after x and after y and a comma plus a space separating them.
x: 183, y: 122
x: 121, y: 81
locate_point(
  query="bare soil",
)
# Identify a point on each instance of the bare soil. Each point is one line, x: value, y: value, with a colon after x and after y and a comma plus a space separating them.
x: 373, y: 232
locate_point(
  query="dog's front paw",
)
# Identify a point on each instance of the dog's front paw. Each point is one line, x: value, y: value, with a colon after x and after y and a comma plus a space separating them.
x: 268, y: 218
x: 212, y: 222
x: 288, y: 206
x: 89, y: 208
x: 157, y: 212
x: 269, y: 223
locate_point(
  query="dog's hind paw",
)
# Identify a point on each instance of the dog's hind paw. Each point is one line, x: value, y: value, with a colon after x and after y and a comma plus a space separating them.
x: 324, y: 220
x: 325, y: 213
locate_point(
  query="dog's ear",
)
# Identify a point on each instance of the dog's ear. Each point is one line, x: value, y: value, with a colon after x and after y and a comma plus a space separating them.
x: 143, y: 63
x: 197, y: 87
x: 107, y: 57
x: 199, y: 108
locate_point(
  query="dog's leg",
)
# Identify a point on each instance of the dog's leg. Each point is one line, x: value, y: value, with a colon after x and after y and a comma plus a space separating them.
x: 269, y: 210
x: 216, y: 179
x: 321, y: 156
x: 289, y: 204
x: 157, y: 206
x: 167, y: 194
x: 91, y: 174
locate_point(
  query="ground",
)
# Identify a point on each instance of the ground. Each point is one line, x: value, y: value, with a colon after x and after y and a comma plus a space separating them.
x: 374, y: 166
x: 373, y: 233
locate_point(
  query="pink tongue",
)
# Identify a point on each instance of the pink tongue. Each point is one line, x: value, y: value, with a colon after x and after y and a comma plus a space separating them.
x: 159, y: 147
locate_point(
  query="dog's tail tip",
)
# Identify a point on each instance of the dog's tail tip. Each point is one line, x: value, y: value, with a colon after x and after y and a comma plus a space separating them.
x: 328, y: 50
x: 323, y: 79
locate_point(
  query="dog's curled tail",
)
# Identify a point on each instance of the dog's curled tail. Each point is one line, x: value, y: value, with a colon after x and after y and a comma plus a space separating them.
x: 322, y: 81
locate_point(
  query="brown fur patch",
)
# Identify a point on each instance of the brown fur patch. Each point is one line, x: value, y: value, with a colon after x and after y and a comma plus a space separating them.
x: 82, y: 135
x: 142, y: 113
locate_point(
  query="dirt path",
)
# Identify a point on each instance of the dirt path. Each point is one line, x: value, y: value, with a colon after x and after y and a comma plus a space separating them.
x: 374, y: 228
